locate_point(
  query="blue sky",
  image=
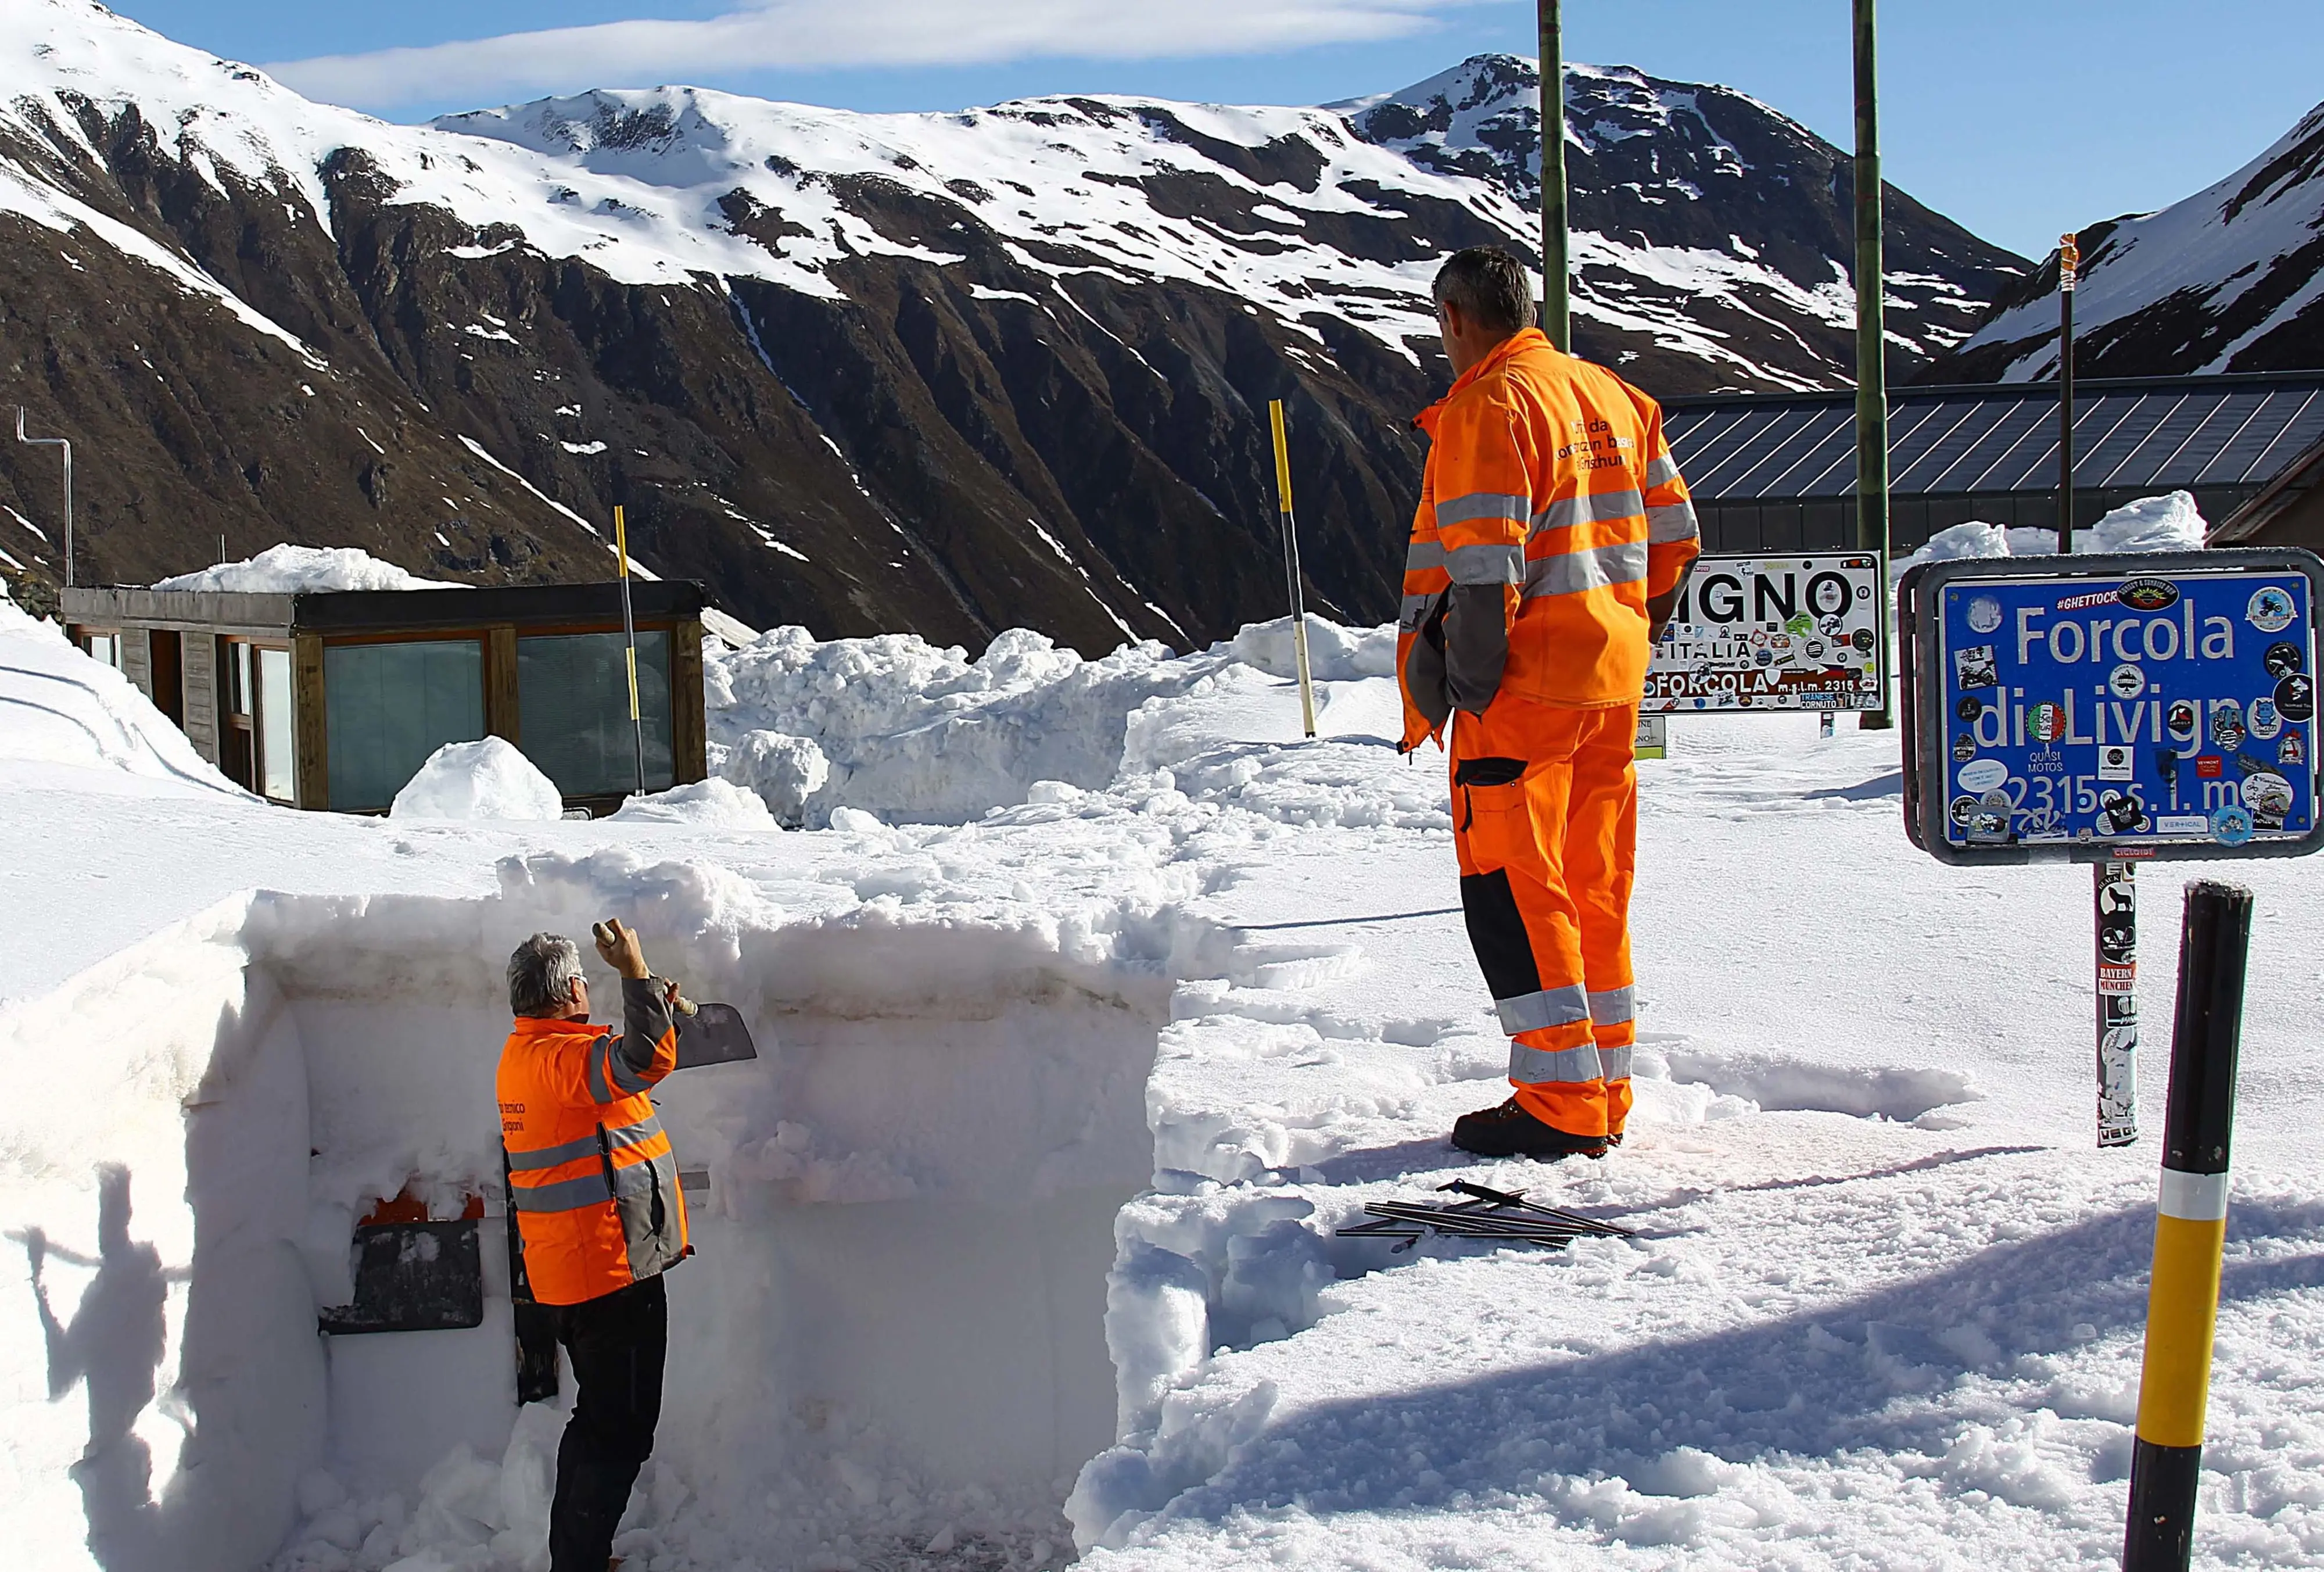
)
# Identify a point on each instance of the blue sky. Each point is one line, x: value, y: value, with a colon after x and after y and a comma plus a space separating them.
x: 2015, y: 117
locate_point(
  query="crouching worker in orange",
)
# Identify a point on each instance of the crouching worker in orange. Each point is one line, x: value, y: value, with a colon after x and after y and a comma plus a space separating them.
x: 592, y: 1187
x: 1552, y: 540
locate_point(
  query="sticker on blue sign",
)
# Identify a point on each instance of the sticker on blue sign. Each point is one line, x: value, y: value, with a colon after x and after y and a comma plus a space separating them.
x: 2159, y: 705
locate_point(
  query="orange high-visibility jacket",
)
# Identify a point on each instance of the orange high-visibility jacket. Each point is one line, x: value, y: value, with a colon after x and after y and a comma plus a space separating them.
x: 593, y: 1182
x: 1551, y: 512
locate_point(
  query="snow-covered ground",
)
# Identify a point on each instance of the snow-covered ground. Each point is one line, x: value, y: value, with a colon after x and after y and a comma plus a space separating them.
x: 1019, y: 1238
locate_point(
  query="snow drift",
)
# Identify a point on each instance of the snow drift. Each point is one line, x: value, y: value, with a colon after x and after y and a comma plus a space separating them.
x: 489, y: 778
x: 289, y: 569
x: 59, y: 708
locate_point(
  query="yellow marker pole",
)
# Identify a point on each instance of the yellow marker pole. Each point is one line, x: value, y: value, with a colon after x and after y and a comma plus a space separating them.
x: 1291, y: 564
x: 2191, y: 1229
x: 630, y: 629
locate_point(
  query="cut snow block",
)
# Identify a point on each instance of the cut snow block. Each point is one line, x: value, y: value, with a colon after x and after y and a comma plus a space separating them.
x: 413, y: 1274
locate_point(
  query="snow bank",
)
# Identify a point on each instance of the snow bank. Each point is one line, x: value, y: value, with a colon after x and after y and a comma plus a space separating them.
x: 303, y: 569
x: 1334, y: 653
x: 57, y: 707
x: 712, y: 804
x: 485, y: 779
x: 1957, y: 541
x: 2151, y: 523
x: 916, y: 734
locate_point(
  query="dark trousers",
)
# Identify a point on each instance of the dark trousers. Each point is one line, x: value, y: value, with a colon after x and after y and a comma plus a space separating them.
x: 616, y: 1342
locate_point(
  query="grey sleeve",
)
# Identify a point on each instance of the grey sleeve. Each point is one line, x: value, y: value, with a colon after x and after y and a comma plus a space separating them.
x: 1476, y: 645
x: 645, y: 1021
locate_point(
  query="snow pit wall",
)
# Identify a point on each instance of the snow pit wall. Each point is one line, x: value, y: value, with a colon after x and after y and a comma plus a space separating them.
x: 903, y: 1246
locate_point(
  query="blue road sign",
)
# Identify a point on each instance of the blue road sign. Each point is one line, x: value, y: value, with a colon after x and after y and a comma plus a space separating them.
x: 2113, y: 707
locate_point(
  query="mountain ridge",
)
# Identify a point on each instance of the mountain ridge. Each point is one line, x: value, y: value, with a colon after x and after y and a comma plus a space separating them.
x: 943, y: 373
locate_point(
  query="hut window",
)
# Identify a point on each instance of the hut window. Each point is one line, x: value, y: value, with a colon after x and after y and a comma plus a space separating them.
x: 277, y: 762
x: 573, y: 697
x: 388, y: 707
x: 104, y: 648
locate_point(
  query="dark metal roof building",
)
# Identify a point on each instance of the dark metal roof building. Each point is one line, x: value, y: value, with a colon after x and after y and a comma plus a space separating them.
x: 1777, y: 471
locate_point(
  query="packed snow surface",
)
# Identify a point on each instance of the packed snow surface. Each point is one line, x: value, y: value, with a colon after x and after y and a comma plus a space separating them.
x: 1020, y: 1239
x: 489, y: 778
x: 289, y: 569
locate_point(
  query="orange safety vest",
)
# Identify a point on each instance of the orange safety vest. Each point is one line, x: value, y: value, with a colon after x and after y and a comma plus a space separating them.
x: 593, y: 1182
x: 1548, y: 477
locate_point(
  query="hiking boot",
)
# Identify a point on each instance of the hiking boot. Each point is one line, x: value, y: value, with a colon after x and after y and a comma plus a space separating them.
x: 1509, y: 1130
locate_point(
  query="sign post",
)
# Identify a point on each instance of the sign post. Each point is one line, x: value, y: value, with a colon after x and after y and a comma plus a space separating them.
x: 1556, y: 319
x: 1871, y: 331
x: 2114, y: 896
x: 2190, y: 1230
x: 2070, y: 262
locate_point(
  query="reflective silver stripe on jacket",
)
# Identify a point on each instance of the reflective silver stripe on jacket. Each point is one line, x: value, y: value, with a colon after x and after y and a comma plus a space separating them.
x: 1423, y: 555
x: 548, y: 1157
x: 1570, y: 572
x: 1483, y: 505
x: 1661, y: 469
x: 636, y: 1134
x: 1615, y: 1063
x: 1534, y: 1066
x: 1414, y: 612
x: 1550, y: 1007
x: 1672, y: 521
x: 1590, y: 508
x: 564, y: 1196
x: 1612, y: 1007
x: 1486, y: 564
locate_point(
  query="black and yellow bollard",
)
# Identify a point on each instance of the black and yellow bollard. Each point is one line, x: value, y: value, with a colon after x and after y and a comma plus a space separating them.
x: 2190, y: 1228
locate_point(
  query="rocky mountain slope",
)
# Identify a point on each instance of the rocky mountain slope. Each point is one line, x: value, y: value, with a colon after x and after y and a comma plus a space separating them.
x: 2231, y: 279
x: 1708, y: 228
x: 948, y: 373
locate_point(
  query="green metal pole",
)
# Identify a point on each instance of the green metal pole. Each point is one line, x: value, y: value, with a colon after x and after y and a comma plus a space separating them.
x: 1871, y: 340
x: 1554, y: 263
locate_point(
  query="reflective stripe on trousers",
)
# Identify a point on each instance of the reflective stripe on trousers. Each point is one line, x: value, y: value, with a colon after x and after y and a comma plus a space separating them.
x: 1533, y: 1067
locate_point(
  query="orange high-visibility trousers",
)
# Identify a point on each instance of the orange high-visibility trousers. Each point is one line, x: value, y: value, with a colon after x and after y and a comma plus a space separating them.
x: 1546, y: 821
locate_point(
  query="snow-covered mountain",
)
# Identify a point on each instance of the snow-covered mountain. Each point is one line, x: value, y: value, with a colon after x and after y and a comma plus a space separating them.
x: 2230, y: 279
x: 943, y: 372
x: 1706, y: 223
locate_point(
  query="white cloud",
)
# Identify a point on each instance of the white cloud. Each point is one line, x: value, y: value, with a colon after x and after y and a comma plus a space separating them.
x: 819, y: 35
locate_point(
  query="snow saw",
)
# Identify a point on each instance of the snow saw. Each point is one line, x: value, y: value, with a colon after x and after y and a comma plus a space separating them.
x: 1486, y: 1214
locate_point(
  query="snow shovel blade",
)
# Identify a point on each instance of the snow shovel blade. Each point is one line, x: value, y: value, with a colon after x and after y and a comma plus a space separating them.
x: 713, y: 1034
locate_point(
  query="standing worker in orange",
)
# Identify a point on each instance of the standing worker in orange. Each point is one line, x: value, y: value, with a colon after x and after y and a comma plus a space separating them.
x: 593, y: 1188
x: 1553, y: 538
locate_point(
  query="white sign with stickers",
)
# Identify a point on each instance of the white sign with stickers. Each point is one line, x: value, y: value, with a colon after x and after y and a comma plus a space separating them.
x: 1772, y: 633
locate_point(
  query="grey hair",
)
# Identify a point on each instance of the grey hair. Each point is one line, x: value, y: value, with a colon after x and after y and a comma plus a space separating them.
x: 541, y: 974
x: 1490, y: 288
